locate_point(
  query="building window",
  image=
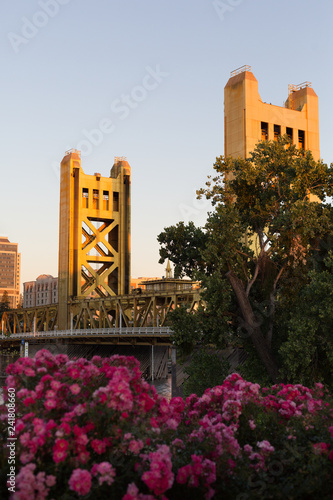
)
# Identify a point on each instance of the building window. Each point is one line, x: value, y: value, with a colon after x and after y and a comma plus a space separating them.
x: 289, y: 132
x: 301, y: 139
x: 115, y: 201
x: 96, y: 199
x: 264, y: 131
x: 85, y: 197
x: 105, y: 200
x: 277, y: 132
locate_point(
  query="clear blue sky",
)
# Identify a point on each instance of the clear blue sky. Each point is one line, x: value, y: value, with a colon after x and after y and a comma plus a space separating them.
x: 67, y: 65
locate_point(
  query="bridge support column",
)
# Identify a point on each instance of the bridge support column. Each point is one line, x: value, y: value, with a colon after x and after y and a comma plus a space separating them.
x: 175, y: 390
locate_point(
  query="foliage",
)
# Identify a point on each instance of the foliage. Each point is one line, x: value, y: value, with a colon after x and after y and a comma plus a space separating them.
x: 182, y: 244
x: 205, y: 370
x: 265, y: 234
x: 4, y: 304
x: 95, y: 429
x: 308, y: 351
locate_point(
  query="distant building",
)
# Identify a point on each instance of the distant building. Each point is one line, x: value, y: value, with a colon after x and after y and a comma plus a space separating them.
x: 137, y: 283
x: 168, y: 283
x: 42, y: 292
x: 10, y: 271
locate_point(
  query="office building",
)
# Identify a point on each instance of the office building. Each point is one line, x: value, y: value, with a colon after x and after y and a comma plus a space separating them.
x: 10, y: 271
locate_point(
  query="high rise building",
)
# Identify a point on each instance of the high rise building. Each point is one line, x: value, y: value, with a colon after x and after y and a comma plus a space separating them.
x: 247, y: 119
x: 10, y: 271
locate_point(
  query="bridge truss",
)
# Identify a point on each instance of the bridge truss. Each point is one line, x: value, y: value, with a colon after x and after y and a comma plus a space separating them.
x: 114, y: 312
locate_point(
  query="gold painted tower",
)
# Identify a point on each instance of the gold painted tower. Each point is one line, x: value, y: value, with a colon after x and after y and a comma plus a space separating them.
x: 94, y: 233
x: 247, y: 119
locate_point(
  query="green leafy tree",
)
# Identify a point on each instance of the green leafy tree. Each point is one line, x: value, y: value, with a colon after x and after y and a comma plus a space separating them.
x: 307, y: 353
x: 182, y: 244
x: 214, y: 367
x: 5, y: 303
x: 259, y: 238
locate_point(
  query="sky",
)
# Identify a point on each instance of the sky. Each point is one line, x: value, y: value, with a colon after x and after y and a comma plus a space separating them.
x: 145, y: 80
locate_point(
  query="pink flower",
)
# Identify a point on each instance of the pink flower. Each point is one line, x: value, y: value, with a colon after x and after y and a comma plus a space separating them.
x: 73, y: 372
x: 252, y: 424
x: 60, y: 450
x: 80, y: 481
x: 106, y: 471
x: 83, y: 456
x: 171, y: 423
x: 29, y: 372
x: 82, y: 439
x: 183, y: 474
x: 135, y: 446
x: 50, y: 404
x: 55, y: 385
x: 321, y: 448
x: 265, y: 446
x: 160, y: 476
x: 26, y: 457
x: 50, y: 480
x: 75, y: 389
x: 25, y: 438
x: 98, y: 446
x: 133, y: 494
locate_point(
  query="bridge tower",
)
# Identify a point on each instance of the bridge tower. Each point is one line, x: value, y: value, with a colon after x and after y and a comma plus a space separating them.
x: 247, y: 119
x: 94, y: 233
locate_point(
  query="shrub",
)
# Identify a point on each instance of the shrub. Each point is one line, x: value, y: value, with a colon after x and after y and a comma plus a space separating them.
x: 96, y: 429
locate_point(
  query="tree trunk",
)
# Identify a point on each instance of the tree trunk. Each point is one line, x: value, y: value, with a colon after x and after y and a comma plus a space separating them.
x: 252, y: 326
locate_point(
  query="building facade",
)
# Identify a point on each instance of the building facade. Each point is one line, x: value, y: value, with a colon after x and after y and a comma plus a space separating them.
x: 247, y: 119
x: 137, y: 283
x: 10, y: 271
x: 42, y: 292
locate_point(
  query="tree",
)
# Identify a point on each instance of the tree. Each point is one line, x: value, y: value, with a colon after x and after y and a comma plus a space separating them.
x: 307, y: 352
x: 210, y: 363
x: 182, y: 243
x: 261, y: 235
x: 5, y: 303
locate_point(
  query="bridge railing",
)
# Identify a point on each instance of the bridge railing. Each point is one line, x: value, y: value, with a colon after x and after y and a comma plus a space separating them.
x: 125, y: 331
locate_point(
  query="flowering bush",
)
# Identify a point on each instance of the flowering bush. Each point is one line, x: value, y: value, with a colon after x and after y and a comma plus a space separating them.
x: 96, y: 429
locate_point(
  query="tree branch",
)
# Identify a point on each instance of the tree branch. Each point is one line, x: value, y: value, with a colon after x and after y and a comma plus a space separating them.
x: 256, y: 271
x: 272, y: 307
x: 252, y: 326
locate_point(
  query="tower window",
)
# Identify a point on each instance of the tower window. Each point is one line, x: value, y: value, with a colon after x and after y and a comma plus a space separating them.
x: 115, y: 201
x: 96, y: 199
x: 264, y: 131
x: 85, y: 197
x: 289, y: 132
x: 277, y: 132
x: 301, y: 139
x: 105, y: 200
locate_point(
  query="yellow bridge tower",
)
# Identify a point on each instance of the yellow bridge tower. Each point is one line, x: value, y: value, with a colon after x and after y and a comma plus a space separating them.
x: 247, y: 119
x: 94, y: 233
